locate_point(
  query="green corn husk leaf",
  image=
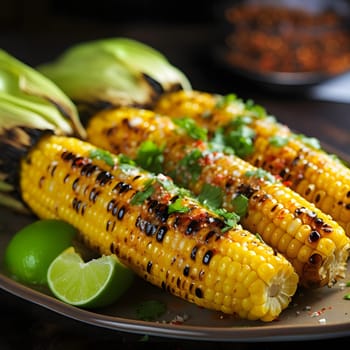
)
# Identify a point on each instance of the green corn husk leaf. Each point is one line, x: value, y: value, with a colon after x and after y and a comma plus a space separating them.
x: 113, y: 72
x: 33, y: 100
x: 28, y: 101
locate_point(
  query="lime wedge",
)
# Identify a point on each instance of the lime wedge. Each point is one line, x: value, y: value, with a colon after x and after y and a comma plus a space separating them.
x: 96, y: 283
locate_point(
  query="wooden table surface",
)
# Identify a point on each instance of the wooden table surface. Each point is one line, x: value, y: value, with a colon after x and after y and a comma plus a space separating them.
x: 25, y: 325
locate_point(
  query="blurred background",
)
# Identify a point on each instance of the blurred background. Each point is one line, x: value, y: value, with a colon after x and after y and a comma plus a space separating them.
x: 281, y: 46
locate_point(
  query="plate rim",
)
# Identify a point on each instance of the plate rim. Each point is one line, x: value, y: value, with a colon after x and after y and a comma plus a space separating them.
x: 269, y: 332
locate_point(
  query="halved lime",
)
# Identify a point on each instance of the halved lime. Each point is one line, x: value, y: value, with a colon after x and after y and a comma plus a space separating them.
x: 96, y: 283
x: 32, y: 249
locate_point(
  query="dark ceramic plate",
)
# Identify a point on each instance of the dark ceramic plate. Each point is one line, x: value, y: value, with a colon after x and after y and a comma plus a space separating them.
x: 312, y: 315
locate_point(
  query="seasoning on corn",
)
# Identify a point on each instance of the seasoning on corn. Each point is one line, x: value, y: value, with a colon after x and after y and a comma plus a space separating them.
x: 316, y: 245
x: 165, y: 236
x: 262, y: 141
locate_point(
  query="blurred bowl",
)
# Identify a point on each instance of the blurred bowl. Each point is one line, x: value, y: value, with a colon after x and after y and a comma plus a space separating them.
x: 286, y: 44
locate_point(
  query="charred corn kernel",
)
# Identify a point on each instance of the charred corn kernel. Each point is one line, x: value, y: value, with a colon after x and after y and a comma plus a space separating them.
x: 185, y: 252
x: 277, y: 213
x: 316, y: 175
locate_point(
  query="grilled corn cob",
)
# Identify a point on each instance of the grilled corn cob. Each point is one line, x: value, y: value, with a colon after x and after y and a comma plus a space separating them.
x: 317, y: 246
x: 319, y: 177
x: 165, y: 236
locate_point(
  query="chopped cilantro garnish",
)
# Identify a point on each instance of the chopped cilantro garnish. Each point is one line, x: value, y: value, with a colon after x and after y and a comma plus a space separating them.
x: 178, y: 207
x: 141, y: 196
x: 166, y: 182
x: 211, y: 196
x: 150, y: 157
x: 278, y: 141
x: 256, y: 110
x: 124, y: 159
x: 235, y: 138
x: 231, y: 219
x: 310, y: 141
x: 189, y: 168
x: 261, y: 174
x: 150, y: 310
x: 171, y: 187
x: 241, y: 140
x: 191, y: 128
x: 225, y: 100
x: 240, y: 204
x: 102, y: 154
x: 217, y: 143
x: 241, y: 120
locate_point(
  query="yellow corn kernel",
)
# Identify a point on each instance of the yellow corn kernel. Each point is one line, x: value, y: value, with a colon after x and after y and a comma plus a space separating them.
x: 283, y: 244
x: 218, y: 298
x: 276, y: 237
x: 293, y: 248
x: 304, y: 254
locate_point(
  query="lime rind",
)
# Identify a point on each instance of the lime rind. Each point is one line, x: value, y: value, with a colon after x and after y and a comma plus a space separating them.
x: 31, y: 249
x: 96, y: 283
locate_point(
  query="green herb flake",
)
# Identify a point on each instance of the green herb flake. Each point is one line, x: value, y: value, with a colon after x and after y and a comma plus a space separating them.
x: 278, y: 141
x: 231, y: 219
x: 103, y: 155
x: 225, y: 100
x: 150, y: 157
x: 150, y: 310
x: 191, y: 128
x: 240, y: 121
x: 241, y: 140
x: 261, y: 174
x: 124, y: 159
x: 141, y: 196
x: 171, y: 187
x: 309, y: 141
x: 211, y: 196
x: 189, y: 167
x: 166, y: 182
x: 178, y: 207
x: 240, y: 205
x: 255, y: 110
x: 217, y: 143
